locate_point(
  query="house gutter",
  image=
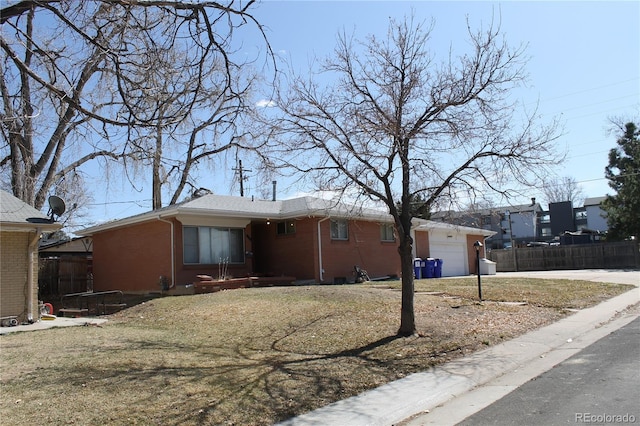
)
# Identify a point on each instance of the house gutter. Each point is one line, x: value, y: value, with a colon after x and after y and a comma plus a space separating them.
x: 173, y: 255
x: 320, y: 249
x: 33, y: 245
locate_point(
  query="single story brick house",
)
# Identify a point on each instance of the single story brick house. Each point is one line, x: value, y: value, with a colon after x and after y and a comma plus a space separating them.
x: 305, y: 239
x: 21, y: 227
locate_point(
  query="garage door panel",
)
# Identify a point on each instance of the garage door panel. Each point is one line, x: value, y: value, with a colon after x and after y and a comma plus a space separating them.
x: 453, y: 256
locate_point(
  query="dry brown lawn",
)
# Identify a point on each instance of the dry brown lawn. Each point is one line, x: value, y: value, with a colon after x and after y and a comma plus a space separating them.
x: 257, y: 356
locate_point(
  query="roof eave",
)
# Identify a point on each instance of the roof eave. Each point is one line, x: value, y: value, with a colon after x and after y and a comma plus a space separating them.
x: 435, y: 225
x: 29, y: 226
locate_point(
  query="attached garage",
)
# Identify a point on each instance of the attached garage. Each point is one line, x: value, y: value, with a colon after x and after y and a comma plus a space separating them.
x: 453, y: 244
x: 453, y: 256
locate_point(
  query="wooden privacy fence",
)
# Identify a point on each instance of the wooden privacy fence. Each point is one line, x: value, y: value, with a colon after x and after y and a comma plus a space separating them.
x: 619, y: 255
x: 63, y: 275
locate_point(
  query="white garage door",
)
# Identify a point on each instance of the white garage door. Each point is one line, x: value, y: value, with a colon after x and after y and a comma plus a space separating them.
x: 453, y: 256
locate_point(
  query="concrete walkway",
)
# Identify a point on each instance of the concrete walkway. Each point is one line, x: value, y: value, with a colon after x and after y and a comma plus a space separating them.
x: 447, y: 394
x: 57, y: 322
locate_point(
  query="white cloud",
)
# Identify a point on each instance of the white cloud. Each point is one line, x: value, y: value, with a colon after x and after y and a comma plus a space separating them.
x: 265, y: 103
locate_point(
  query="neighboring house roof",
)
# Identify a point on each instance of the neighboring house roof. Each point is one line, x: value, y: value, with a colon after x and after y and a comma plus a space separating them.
x: 74, y: 245
x: 16, y: 215
x: 213, y: 205
x: 593, y: 201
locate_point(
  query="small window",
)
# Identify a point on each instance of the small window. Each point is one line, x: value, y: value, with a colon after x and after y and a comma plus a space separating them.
x: 286, y: 228
x: 339, y: 229
x: 386, y: 232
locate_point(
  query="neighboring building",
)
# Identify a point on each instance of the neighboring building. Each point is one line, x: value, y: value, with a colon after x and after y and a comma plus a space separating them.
x: 528, y: 224
x: 510, y: 225
x: 588, y: 220
x: 596, y: 217
x: 310, y: 239
x: 562, y: 218
x: 21, y: 227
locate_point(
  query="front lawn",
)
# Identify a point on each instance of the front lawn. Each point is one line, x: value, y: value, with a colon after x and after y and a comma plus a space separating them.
x: 257, y: 356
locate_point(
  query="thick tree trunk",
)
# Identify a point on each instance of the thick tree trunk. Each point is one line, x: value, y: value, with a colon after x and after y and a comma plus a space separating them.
x: 407, y: 315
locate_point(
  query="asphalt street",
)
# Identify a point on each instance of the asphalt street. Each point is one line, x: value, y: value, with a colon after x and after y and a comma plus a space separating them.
x: 598, y: 385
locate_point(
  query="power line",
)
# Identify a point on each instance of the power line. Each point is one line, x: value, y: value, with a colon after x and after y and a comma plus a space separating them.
x: 566, y: 95
x: 138, y: 202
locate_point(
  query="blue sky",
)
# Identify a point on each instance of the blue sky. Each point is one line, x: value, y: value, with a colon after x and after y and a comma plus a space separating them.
x: 584, y: 67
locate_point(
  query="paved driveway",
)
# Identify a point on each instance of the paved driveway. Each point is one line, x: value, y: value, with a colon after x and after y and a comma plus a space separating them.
x: 619, y: 276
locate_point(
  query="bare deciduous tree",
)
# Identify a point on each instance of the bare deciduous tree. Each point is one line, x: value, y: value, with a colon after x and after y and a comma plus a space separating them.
x: 398, y: 126
x: 79, y: 82
x: 563, y: 189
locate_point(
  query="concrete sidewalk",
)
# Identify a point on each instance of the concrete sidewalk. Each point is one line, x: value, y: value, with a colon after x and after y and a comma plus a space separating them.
x: 57, y: 322
x: 449, y: 393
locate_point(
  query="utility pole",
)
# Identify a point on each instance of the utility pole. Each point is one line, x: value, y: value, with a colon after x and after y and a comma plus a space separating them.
x: 241, y: 171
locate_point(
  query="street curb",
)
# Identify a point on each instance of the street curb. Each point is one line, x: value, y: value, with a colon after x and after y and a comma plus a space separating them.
x: 416, y: 394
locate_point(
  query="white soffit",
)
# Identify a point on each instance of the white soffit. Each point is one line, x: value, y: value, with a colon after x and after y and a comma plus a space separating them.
x: 228, y: 222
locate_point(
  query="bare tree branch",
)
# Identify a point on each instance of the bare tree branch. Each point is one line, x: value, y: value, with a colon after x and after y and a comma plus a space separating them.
x: 73, y: 89
x: 399, y: 127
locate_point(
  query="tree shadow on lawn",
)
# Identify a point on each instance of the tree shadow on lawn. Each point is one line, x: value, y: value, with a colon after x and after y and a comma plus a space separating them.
x: 248, y: 383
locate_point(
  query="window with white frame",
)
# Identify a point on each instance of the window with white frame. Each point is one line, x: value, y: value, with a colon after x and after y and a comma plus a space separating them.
x: 339, y: 229
x: 386, y: 232
x: 212, y: 245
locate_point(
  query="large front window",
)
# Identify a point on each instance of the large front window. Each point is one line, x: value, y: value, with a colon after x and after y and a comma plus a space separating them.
x: 209, y: 245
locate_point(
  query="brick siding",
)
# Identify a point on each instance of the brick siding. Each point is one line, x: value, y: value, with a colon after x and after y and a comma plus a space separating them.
x: 14, y: 265
x: 132, y: 258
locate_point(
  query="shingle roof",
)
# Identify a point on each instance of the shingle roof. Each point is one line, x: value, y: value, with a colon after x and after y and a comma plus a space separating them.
x: 249, y: 208
x: 16, y: 213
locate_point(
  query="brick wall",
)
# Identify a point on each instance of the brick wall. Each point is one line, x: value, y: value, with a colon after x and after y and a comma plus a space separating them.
x: 290, y: 255
x: 297, y: 254
x: 363, y: 248
x: 132, y: 258
x: 14, y: 264
x: 471, y: 252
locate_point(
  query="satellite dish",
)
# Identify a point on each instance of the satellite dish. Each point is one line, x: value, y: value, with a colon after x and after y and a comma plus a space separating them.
x: 56, y: 206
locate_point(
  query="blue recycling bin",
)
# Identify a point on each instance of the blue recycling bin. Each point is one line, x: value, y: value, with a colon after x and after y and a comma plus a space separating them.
x: 437, y: 272
x: 429, y: 268
x: 417, y: 268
